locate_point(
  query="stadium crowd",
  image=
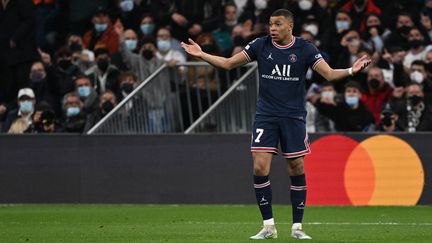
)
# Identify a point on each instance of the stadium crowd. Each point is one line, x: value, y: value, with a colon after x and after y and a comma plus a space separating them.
x: 65, y: 64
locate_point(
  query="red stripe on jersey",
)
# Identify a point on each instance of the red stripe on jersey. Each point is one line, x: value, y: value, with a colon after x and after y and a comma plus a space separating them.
x: 285, y: 46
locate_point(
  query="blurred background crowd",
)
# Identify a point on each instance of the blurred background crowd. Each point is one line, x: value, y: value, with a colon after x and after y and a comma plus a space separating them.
x: 65, y: 64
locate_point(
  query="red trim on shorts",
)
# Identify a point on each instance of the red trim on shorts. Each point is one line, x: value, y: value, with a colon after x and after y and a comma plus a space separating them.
x: 264, y: 149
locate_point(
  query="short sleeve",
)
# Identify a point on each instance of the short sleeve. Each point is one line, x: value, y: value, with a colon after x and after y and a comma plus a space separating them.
x: 251, y: 49
x: 313, y: 55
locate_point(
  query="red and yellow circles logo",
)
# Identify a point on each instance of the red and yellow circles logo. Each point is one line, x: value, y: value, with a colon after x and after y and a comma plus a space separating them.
x: 381, y: 170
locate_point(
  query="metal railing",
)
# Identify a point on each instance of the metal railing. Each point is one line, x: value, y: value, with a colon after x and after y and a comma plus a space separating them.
x: 234, y: 111
x: 170, y: 99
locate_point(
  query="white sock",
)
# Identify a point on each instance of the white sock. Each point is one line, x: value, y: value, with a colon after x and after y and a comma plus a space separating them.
x: 269, y: 222
x: 296, y: 226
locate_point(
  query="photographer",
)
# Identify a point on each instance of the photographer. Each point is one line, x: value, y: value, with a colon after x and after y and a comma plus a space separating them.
x: 388, y: 120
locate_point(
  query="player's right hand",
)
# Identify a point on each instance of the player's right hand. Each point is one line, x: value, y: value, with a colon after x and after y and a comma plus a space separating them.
x: 193, y: 48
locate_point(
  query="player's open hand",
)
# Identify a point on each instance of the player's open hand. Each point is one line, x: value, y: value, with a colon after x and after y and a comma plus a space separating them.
x: 193, y: 48
x: 361, y: 64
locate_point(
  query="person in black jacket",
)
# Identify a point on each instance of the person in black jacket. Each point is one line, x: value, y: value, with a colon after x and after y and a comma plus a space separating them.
x: 350, y: 114
x: 17, y: 46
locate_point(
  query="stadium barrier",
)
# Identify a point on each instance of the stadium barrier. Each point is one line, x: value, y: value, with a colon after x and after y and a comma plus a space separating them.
x: 343, y: 169
x: 171, y: 99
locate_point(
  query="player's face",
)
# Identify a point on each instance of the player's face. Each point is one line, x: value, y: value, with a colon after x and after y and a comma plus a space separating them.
x: 280, y: 29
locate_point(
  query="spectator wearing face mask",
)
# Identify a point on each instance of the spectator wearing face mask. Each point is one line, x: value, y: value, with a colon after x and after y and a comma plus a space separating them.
x: 165, y: 49
x: 326, y: 95
x: 331, y: 38
x: 39, y: 83
x: 374, y: 33
x: 129, y: 13
x: 107, y: 102
x: 399, y: 37
x: 147, y: 26
x: 389, y: 120
x: 85, y: 91
x: 65, y: 72
x: 416, y: 113
x: 103, y: 75
x: 102, y: 33
x: 223, y: 34
x: 358, y: 9
x: 131, y: 43
x: 128, y: 81
x: 143, y: 63
x: 350, y: 114
x: 418, y: 47
x: 81, y: 57
x: 418, y: 74
x: 74, y: 118
x: 26, y: 107
x: 378, y: 92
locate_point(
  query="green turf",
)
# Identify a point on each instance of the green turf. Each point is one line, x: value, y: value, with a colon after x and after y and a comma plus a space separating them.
x: 207, y: 223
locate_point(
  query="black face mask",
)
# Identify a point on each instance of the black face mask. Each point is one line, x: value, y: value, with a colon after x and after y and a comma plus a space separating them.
x: 404, y: 29
x: 75, y: 47
x: 103, y: 65
x: 415, y: 100
x: 147, y: 54
x: 107, y: 106
x: 415, y: 43
x: 127, y: 88
x: 64, y: 64
x: 208, y: 48
x: 386, y: 121
x: 374, y: 83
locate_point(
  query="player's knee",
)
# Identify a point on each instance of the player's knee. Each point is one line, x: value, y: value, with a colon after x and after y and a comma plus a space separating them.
x: 296, y: 166
x: 260, y: 170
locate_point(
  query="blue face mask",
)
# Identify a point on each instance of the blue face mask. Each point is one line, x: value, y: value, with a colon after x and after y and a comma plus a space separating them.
x: 72, y: 111
x: 342, y: 25
x: 100, y: 27
x: 83, y: 91
x: 164, y: 45
x: 127, y: 5
x: 147, y: 29
x: 26, y: 106
x: 131, y: 44
x: 352, y: 101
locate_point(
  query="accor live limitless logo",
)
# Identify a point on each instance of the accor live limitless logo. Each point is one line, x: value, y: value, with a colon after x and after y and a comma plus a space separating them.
x: 281, y: 72
x: 381, y: 170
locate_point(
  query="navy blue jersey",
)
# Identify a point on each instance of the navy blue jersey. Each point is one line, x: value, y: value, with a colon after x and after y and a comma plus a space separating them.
x: 282, y: 71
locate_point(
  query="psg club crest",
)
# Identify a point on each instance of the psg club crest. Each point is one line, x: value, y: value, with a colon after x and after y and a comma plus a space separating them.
x: 292, y: 58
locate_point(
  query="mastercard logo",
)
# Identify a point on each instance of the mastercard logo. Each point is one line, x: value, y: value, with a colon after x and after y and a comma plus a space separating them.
x: 381, y: 170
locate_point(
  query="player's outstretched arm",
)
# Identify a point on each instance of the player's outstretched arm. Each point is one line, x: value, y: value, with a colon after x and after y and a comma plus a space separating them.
x: 335, y: 74
x: 194, y: 49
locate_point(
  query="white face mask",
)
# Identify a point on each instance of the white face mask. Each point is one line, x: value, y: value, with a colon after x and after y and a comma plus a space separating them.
x: 312, y: 28
x: 327, y: 94
x: 260, y: 4
x: 305, y: 5
x: 417, y: 76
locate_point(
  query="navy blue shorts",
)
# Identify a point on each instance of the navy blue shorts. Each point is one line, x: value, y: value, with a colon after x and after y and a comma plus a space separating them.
x: 289, y: 132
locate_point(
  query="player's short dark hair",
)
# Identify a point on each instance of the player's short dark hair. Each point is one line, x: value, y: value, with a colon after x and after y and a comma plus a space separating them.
x: 283, y: 12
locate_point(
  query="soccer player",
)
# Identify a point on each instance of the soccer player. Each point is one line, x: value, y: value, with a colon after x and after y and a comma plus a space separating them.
x: 283, y: 60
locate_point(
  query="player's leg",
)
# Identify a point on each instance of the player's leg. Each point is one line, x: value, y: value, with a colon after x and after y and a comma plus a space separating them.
x: 295, y: 145
x: 264, y: 145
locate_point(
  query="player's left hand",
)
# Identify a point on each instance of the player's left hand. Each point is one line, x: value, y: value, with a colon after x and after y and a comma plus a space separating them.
x: 361, y: 64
